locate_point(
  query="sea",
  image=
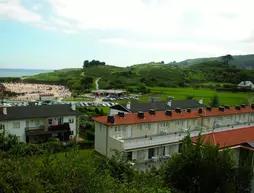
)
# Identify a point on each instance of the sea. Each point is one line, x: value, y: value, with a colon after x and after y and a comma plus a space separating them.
x: 11, y: 72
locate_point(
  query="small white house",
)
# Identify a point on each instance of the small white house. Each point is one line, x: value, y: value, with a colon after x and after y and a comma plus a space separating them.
x: 246, y: 85
x: 38, y: 123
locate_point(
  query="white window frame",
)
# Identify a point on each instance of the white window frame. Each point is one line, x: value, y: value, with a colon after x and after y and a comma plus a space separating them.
x: 16, y: 124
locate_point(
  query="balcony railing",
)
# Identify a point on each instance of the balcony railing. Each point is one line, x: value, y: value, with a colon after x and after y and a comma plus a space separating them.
x: 42, y: 130
x: 133, y: 143
x: 165, y: 138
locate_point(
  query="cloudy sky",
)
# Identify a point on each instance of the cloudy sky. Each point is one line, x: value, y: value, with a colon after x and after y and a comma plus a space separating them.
x: 52, y: 34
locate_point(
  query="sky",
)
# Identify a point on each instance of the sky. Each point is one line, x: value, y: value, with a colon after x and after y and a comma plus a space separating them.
x: 55, y: 34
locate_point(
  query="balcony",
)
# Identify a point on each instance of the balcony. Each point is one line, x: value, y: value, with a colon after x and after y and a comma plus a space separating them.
x: 42, y: 130
x: 154, y: 140
x: 42, y: 134
x: 166, y: 138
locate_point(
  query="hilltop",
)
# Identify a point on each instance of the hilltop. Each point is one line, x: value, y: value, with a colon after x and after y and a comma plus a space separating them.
x: 210, y: 72
x: 241, y: 61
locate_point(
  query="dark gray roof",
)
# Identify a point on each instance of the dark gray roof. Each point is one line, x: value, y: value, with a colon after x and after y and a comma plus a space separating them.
x: 120, y: 108
x: 37, y: 111
x: 162, y: 106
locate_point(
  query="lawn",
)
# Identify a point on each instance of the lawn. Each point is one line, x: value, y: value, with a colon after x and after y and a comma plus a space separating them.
x: 225, y: 98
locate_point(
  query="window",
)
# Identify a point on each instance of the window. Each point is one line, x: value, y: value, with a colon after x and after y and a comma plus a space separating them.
x: 60, y: 120
x: 117, y: 129
x: 50, y: 121
x: 16, y: 124
x: 71, y: 120
x: 2, y: 127
x: 141, y: 155
x: 37, y: 123
x: 129, y: 156
x: 150, y: 153
x: 163, y: 150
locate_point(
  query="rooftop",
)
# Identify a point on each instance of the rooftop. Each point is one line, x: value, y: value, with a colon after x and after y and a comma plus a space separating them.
x: 161, y: 105
x: 109, y: 91
x: 229, y: 138
x: 158, y: 116
x: 36, y: 111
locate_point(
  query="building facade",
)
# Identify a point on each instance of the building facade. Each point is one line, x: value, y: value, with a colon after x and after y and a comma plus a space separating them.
x: 147, y: 138
x: 38, y: 123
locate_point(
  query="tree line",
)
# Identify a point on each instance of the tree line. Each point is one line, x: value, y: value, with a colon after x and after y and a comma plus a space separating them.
x: 52, y: 168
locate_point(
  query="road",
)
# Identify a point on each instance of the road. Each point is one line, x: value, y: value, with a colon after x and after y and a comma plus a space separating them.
x: 97, y: 83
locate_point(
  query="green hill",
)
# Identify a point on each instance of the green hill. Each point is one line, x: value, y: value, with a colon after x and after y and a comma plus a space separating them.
x: 241, y: 61
x: 212, y: 73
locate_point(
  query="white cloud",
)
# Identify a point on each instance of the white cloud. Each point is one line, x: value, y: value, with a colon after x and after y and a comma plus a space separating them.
x: 171, y: 46
x: 205, y: 26
x: 219, y: 19
x: 13, y: 9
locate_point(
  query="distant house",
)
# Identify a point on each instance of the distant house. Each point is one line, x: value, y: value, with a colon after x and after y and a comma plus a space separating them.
x: 247, y: 85
x: 109, y: 92
x: 47, y: 97
x: 38, y: 123
x: 135, y: 107
x: 2, y: 88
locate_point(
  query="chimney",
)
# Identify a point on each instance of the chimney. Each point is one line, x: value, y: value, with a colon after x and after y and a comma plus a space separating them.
x: 200, y: 110
x: 209, y: 108
x: 221, y: 109
x: 4, y: 110
x: 152, y: 112
x: 111, y: 119
x: 121, y: 114
x: 73, y: 106
x: 168, y: 112
x: 189, y: 110
x: 128, y: 105
x: 141, y: 114
x: 178, y: 110
x: 238, y: 107
x: 227, y: 107
x: 169, y: 103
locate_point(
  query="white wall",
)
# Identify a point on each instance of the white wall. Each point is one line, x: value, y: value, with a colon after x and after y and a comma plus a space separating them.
x: 100, y: 138
x: 73, y: 126
x: 159, y: 128
x: 34, y: 123
x: 19, y: 132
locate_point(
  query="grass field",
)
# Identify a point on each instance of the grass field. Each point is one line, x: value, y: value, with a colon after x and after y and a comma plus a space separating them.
x: 225, y: 98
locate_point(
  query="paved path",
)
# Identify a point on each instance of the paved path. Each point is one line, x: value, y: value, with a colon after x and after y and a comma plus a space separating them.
x: 97, y: 83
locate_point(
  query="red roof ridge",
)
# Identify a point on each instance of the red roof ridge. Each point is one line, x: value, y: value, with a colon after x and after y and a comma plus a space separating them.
x: 229, y: 138
x: 132, y: 118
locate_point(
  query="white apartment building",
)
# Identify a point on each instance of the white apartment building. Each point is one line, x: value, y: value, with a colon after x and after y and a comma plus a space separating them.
x: 150, y: 137
x: 38, y: 123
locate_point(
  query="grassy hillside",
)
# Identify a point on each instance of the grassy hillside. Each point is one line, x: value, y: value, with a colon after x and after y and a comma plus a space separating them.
x: 225, y: 98
x: 241, y: 61
x: 137, y: 78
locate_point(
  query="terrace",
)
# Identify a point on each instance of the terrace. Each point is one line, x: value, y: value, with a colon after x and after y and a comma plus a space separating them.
x: 43, y: 133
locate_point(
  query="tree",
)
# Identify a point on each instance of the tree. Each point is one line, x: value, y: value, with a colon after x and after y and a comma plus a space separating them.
x: 226, y: 59
x: 87, y: 63
x: 200, y: 168
x: 86, y: 82
x: 215, y: 101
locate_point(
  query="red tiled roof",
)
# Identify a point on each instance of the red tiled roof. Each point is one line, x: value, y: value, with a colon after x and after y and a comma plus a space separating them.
x: 231, y: 111
x: 229, y: 138
x: 132, y: 118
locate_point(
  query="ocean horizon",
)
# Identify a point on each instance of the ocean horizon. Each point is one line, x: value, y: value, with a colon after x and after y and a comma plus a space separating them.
x: 15, y: 72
